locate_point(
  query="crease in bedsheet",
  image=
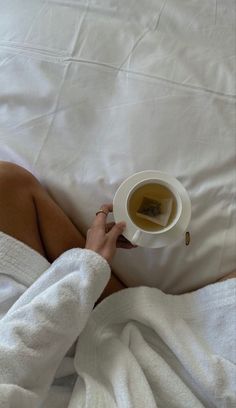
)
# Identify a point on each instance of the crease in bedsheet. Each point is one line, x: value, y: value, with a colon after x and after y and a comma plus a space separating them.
x: 55, y: 54
x: 68, y: 59
x: 28, y: 49
x: 6, y: 60
x: 133, y: 49
x: 156, y: 77
x: 59, y: 92
x: 110, y: 8
x: 76, y: 3
x: 31, y: 123
x: 34, y: 20
x: 160, y: 14
x: 143, y: 35
x: 216, y: 10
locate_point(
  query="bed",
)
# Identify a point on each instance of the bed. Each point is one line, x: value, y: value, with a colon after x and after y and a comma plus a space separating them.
x: 94, y: 91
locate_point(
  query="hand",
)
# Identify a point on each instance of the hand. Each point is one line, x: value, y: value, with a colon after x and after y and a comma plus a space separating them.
x: 121, y: 242
x: 105, y: 238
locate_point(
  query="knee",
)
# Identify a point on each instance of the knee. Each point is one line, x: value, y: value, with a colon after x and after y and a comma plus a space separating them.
x: 13, y: 177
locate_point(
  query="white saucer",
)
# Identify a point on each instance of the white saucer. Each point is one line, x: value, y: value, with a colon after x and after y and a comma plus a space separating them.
x: 119, y: 210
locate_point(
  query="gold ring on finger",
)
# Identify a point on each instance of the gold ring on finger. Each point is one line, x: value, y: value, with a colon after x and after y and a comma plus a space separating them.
x: 101, y: 211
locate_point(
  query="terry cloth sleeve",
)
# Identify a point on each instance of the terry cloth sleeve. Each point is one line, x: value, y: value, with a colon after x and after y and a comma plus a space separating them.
x: 40, y: 327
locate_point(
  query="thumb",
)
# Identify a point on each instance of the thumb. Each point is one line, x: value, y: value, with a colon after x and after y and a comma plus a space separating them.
x: 116, y: 231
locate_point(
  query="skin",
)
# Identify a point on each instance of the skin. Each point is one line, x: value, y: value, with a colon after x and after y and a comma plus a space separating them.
x: 29, y: 214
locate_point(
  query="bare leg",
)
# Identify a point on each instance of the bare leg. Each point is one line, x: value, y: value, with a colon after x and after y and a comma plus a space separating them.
x: 29, y: 214
x: 228, y: 276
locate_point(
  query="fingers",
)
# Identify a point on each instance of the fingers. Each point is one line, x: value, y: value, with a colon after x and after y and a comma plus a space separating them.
x: 109, y: 206
x: 125, y: 245
x: 116, y: 231
x: 100, y: 219
x: 109, y: 226
x: 122, y: 242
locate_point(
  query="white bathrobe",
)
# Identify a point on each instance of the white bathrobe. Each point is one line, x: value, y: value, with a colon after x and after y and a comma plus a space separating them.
x: 138, y: 348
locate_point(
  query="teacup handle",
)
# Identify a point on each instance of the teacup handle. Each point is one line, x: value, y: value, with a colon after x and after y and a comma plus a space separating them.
x: 136, y: 237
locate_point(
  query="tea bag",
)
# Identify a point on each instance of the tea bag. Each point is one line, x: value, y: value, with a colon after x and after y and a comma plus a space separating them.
x: 155, y: 210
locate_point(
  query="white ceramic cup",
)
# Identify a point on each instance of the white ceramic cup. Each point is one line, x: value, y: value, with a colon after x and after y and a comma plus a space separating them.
x: 162, y: 237
x: 146, y: 236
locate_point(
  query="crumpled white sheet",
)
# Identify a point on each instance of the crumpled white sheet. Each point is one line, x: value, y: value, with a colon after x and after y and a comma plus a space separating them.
x: 94, y: 91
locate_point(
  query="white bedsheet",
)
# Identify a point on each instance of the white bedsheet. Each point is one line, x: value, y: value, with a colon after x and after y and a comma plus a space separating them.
x: 94, y: 91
